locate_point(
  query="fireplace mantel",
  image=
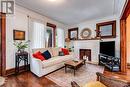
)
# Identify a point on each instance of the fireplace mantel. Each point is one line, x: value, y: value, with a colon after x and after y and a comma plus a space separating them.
x: 87, y: 39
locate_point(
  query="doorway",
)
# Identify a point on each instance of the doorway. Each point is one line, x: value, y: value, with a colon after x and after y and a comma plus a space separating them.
x: 2, y: 44
x: 128, y: 40
x: 0, y: 50
x: 52, y: 33
x: 123, y: 36
x: 49, y: 37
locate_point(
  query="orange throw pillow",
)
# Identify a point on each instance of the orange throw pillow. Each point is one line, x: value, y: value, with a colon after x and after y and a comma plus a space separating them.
x: 65, y: 51
x: 38, y: 55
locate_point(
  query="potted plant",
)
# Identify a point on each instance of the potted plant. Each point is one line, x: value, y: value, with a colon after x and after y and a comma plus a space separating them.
x: 21, y: 45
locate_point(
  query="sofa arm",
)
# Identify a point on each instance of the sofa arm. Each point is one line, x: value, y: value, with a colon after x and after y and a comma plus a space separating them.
x: 36, y: 66
x: 111, y: 82
x: 74, y: 84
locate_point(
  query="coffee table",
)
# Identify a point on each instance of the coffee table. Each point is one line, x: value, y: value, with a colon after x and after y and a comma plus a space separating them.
x: 72, y: 64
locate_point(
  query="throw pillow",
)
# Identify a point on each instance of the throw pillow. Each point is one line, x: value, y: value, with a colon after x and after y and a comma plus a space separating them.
x: 55, y: 51
x: 65, y: 51
x: 38, y: 55
x: 46, y: 54
x: 61, y: 53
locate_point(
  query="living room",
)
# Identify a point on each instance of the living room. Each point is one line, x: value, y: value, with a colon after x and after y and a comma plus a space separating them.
x: 71, y: 40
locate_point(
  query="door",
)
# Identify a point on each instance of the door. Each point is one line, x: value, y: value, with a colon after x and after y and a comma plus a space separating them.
x: 2, y: 44
x: 128, y: 40
x: 123, y: 37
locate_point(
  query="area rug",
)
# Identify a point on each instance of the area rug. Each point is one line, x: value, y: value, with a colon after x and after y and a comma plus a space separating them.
x: 2, y: 81
x: 84, y: 74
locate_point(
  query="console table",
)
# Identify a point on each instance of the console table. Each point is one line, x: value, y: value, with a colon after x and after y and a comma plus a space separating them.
x: 23, y: 56
x: 112, y: 63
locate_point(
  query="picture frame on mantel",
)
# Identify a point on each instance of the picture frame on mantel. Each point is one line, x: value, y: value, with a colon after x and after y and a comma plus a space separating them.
x: 73, y: 33
x: 18, y: 35
x: 106, y: 29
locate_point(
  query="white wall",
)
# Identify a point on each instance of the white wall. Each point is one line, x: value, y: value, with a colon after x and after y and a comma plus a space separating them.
x: 94, y: 44
x: 19, y: 21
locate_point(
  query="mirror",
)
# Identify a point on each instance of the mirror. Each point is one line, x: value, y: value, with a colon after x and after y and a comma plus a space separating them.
x: 106, y: 29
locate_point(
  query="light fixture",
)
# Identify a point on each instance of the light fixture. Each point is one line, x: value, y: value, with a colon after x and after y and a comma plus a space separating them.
x: 52, y: 0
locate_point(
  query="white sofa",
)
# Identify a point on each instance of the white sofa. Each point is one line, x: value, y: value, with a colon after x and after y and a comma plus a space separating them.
x: 41, y: 68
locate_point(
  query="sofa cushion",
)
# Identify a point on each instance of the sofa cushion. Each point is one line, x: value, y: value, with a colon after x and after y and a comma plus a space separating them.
x: 56, y: 60
x: 65, y: 51
x: 95, y: 84
x: 42, y: 50
x: 38, y: 55
x: 55, y: 51
x: 46, y: 55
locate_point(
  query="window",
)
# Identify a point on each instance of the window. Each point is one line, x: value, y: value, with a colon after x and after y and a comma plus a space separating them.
x: 38, y: 35
x: 60, y: 38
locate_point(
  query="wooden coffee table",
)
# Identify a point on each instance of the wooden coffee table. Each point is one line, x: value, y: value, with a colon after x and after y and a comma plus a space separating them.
x: 74, y: 65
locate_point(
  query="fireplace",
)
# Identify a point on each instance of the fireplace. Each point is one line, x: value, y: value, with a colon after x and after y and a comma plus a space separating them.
x: 85, y: 52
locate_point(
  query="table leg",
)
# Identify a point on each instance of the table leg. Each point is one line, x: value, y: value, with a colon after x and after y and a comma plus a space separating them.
x: 65, y: 69
x: 74, y: 70
x: 27, y: 63
x: 16, y: 65
x: 84, y: 62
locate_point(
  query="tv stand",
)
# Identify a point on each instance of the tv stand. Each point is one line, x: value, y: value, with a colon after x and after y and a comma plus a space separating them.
x: 112, y: 63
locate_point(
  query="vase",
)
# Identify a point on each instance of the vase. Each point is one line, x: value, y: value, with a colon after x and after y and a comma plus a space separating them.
x: 20, y: 50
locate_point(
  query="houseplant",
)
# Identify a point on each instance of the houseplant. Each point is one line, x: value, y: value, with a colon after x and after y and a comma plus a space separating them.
x: 21, y: 45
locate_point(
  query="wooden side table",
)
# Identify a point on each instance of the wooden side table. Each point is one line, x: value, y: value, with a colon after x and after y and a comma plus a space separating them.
x: 23, y: 56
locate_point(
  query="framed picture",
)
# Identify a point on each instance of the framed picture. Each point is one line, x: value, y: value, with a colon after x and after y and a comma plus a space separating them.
x: 106, y: 29
x: 18, y: 35
x: 73, y: 33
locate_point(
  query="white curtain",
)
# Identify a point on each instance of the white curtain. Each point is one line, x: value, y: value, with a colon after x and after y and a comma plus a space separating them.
x: 60, y: 38
x: 37, y: 34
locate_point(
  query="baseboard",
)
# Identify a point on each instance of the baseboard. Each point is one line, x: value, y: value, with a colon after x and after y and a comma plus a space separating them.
x: 12, y: 71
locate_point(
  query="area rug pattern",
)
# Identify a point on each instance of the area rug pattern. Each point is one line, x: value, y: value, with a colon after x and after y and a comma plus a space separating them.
x: 83, y: 75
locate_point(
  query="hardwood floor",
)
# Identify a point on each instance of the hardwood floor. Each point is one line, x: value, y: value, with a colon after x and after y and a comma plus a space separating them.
x: 118, y: 75
x: 27, y: 79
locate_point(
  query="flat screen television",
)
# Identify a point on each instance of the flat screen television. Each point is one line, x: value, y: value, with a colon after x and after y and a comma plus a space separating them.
x: 108, y: 48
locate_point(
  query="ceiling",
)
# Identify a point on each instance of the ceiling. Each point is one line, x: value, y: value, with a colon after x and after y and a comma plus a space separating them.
x: 72, y: 11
